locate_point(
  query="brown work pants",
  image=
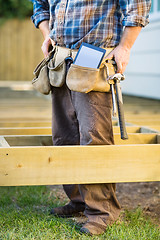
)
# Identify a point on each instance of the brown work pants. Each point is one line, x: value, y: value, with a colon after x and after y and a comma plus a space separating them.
x: 85, y: 119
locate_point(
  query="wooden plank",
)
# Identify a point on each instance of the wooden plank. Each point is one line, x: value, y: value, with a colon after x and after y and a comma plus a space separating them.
x: 25, y: 119
x: 29, y: 140
x: 146, y: 122
x: 26, y: 124
x: 157, y: 128
x: 130, y: 129
x: 148, y: 130
x: 79, y: 164
x: 137, y: 138
x: 158, y: 138
x: 142, y: 116
x: 46, y: 140
x: 3, y: 142
x: 26, y: 131
x: 48, y: 130
x: 11, y: 124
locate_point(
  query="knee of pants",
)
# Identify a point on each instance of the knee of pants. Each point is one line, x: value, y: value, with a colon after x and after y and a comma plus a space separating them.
x: 93, y: 136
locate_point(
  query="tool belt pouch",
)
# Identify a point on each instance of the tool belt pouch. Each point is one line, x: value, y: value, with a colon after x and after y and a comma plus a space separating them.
x: 57, y: 70
x: 84, y: 79
x: 41, y: 81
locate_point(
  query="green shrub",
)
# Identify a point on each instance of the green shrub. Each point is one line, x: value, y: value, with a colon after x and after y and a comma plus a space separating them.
x: 15, y: 8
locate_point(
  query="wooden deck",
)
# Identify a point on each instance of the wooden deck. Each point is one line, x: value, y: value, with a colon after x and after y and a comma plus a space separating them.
x: 27, y: 156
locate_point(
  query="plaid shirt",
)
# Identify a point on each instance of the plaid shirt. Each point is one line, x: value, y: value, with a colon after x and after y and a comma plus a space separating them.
x: 98, y: 22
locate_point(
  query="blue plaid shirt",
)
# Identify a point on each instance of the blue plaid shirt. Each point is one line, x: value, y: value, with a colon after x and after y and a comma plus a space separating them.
x: 98, y: 22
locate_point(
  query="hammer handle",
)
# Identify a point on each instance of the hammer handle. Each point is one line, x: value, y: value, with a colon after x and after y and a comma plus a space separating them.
x: 120, y: 111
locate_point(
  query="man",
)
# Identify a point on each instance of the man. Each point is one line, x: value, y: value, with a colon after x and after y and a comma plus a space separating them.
x: 80, y: 118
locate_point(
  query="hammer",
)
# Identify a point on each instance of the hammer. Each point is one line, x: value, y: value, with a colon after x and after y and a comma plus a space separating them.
x: 114, y: 82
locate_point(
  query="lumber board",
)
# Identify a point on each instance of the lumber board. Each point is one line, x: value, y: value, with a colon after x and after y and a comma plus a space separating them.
x: 157, y: 128
x: 48, y: 130
x: 26, y: 131
x: 46, y: 140
x: 21, y: 124
x: 26, y: 119
x: 29, y: 140
x: 148, y: 130
x: 25, y: 112
x: 142, y: 116
x: 135, y: 129
x: 79, y: 164
x: 137, y: 138
x: 3, y: 142
x: 146, y: 122
x: 25, y: 124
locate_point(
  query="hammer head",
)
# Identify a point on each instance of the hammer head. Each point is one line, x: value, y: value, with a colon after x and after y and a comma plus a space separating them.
x: 117, y: 77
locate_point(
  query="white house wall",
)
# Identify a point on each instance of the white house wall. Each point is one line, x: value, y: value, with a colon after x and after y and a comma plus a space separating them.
x: 143, y: 71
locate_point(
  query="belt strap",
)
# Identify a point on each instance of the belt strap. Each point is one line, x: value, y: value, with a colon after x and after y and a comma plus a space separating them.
x: 72, y: 52
x: 62, y: 53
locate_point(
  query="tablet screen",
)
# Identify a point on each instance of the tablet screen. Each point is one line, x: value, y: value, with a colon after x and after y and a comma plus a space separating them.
x: 89, y: 56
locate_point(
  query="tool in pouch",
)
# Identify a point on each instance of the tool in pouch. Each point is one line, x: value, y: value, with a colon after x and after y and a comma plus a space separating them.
x: 114, y: 82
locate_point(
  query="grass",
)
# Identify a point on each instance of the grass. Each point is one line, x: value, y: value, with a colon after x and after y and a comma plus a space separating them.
x: 24, y: 215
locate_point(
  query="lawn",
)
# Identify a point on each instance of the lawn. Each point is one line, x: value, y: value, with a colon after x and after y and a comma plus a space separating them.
x: 24, y: 214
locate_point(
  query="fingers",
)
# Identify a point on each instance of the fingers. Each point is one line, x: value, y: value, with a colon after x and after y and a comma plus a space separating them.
x: 45, y: 51
x: 119, y: 67
x: 53, y: 43
x: 118, y: 62
x: 46, y: 45
x: 121, y: 57
x: 109, y: 56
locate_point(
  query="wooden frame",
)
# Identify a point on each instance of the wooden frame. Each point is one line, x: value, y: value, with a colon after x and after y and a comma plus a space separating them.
x: 47, y: 130
x: 46, y: 140
x: 31, y: 160
x: 27, y: 157
x: 79, y: 164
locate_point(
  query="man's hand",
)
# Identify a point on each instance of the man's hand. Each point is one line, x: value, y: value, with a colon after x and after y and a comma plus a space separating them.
x: 46, y: 45
x: 121, y: 56
x: 121, y: 53
x: 44, y: 28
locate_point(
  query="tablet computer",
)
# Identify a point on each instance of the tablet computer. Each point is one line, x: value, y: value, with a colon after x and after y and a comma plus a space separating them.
x: 89, y: 56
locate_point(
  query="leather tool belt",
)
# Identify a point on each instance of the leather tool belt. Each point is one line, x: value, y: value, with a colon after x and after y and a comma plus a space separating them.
x: 52, y: 71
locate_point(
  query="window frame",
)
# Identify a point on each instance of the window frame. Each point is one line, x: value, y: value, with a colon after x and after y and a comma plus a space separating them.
x: 155, y: 15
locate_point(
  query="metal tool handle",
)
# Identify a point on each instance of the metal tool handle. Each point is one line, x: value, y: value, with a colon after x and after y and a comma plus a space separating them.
x: 120, y: 111
x: 114, y: 111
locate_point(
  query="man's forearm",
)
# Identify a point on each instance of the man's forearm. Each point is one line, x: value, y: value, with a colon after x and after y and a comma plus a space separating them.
x: 129, y: 36
x: 44, y: 28
x: 121, y: 53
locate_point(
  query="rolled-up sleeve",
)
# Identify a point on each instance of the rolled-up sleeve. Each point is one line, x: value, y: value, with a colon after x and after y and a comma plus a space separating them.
x: 40, y: 11
x: 135, y: 12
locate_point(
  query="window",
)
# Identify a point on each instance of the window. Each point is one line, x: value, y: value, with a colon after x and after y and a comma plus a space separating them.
x: 155, y: 10
x: 158, y: 5
x: 151, y: 10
